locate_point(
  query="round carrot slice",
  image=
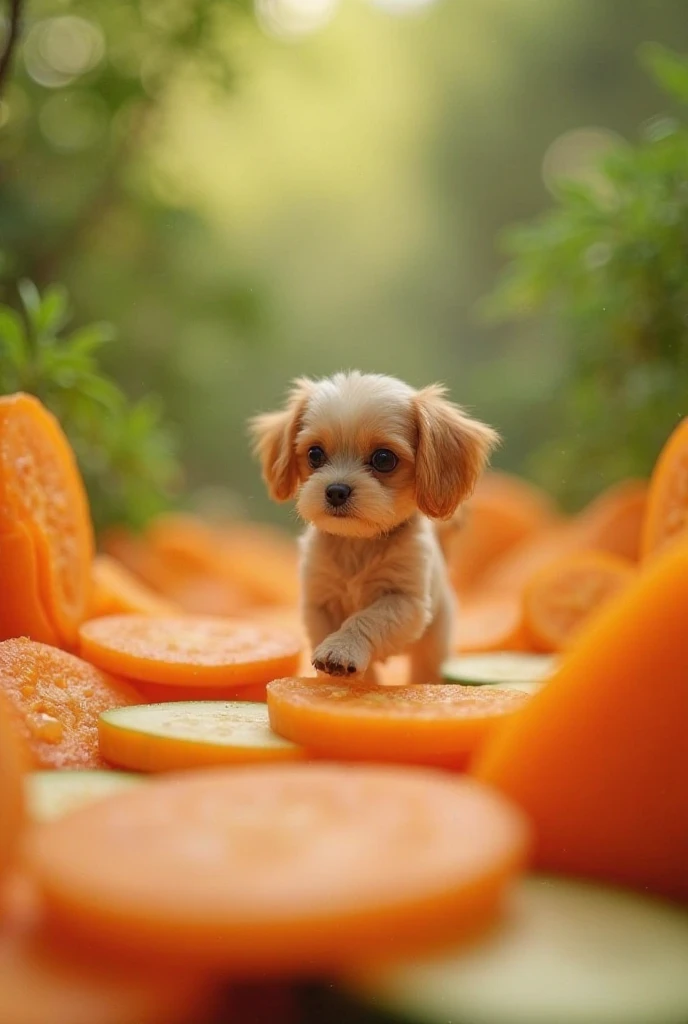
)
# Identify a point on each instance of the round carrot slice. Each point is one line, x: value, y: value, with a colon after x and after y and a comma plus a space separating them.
x: 667, y: 504
x: 40, y: 486
x: 115, y: 590
x: 11, y: 792
x: 491, y: 624
x: 280, y: 869
x: 192, y: 734
x: 428, y: 724
x: 189, y: 650
x: 563, y: 596
x: 57, y: 698
x: 42, y: 984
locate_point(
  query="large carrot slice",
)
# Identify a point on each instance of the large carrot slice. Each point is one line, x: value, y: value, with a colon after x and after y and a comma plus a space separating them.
x: 290, y: 868
x: 598, y: 757
x: 491, y: 624
x: 509, y: 575
x: 667, y: 504
x: 194, y: 592
x: 193, y: 734
x: 40, y: 487
x: 613, y: 522
x: 11, y: 786
x: 426, y: 724
x: 41, y: 984
x: 503, y: 512
x: 22, y: 612
x: 189, y: 650
x: 114, y: 590
x: 560, y: 598
x: 56, y: 699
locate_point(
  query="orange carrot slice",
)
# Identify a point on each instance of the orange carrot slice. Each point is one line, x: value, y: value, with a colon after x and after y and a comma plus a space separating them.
x: 667, y: 505
x: 560, y: 598
x: 192, y: 734
x: 115, y: 590
x: 11, y: 786
x: 598, y: 758
x: 40, y: 487
x: 503, y: 512
x: 613, y: 522
x: 22, y: 612
x: 56, y: 699
x: 280, y: 869
x: 42, y: 984
x: 158, y: 693
x: 430, y: 724
x: 189, y: 650
x: 491, y: 624
x: 509, y: 575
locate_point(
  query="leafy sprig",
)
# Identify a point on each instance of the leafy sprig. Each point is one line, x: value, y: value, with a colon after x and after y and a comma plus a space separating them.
x: 605, y: 274
x: 125, y: 450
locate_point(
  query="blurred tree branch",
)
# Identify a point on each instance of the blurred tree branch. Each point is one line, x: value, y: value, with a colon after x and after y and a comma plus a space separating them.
x: 13, y: 32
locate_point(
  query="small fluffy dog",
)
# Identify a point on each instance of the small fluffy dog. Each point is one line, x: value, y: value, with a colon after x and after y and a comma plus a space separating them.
x: 371, y: 461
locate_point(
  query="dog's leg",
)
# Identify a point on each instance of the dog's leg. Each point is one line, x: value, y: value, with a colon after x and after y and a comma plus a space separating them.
x: 385, y: 627
x: 319, y: 622
x: 428, y: 653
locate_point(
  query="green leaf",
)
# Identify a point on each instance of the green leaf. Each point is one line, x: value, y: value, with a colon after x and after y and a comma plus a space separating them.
x: 670, y: 70
x: 52, y: 312
x: 87, y: 340
x: 31, y: 300
x: 102, y: 391
x: 13, y: 338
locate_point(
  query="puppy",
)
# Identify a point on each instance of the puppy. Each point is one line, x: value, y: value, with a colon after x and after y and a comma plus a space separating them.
x: 371, y: 461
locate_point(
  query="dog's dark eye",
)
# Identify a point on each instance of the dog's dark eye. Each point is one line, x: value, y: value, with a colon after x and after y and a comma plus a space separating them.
x: 383, y: 460
x: 316, y: 457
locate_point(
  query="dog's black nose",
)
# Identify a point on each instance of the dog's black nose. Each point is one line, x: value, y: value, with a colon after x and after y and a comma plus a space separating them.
x: 337, y: 494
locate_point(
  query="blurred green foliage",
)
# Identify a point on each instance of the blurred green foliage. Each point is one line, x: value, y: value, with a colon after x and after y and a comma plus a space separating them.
x: 605, y: 271
x: 125, y: 452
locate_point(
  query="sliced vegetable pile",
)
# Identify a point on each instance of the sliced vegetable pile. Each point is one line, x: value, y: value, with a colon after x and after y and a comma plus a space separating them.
x: 271, y: 825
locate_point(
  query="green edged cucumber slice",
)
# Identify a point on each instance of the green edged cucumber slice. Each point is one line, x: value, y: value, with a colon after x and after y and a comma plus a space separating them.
x: 190, y: 734
x: 517, y: 671
x: 50, y: 794
x: 568, y: 952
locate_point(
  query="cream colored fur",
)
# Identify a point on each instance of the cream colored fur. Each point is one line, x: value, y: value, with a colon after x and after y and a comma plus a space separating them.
x: 374, y: 577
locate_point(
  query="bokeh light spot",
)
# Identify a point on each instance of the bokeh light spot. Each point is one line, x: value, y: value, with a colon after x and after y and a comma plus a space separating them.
x: 575, y: 156
x: 73, y: 121
x: 294, y: 19
x: 58, y: 50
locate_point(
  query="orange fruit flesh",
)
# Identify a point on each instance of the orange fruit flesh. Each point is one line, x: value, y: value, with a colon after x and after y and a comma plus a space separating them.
x: 430, y: 724
x: 56, y: 699
x: 189, y: 650
x: 22, y: 611
x: 40, y: 486
x: 275, y: 870
x: 11, y: 787
x: 561, y: 598
x: 40, y: 983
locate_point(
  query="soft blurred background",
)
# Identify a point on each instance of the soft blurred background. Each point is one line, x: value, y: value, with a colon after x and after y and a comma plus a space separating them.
x: 246, y: 193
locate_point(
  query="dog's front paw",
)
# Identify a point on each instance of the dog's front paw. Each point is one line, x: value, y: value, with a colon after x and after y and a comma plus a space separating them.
x: 340, y: 656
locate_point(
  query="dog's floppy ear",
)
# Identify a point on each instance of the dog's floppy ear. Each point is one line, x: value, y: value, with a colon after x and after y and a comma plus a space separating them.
x: 274, y: 434
x: 452, y: 451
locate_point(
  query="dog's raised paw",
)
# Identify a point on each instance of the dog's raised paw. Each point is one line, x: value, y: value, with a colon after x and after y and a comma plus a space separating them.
x: 337, y: 658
